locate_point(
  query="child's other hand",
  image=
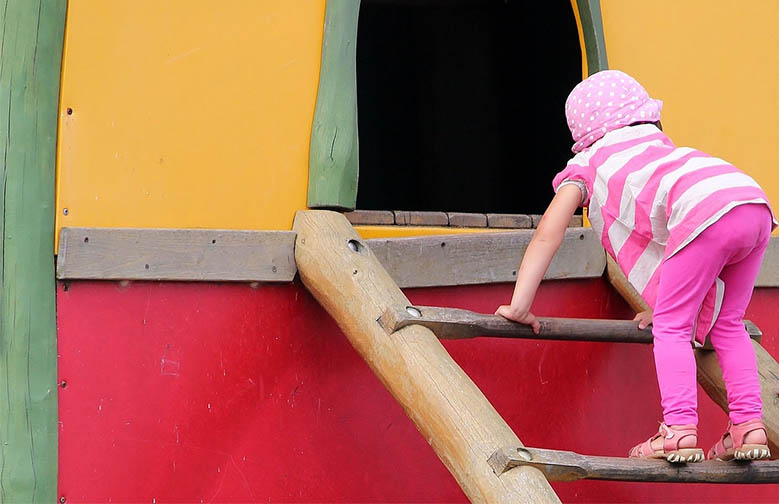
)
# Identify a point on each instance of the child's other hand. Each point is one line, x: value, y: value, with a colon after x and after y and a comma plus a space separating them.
x: 524, y: 317
x: 644, y: 319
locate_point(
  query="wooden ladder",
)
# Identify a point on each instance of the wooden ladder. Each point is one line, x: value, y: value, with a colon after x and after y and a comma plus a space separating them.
x: 400, y: 343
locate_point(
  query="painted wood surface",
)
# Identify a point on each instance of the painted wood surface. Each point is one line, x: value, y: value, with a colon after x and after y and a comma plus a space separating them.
x: 715, y: 66
x: 176, y: 254
x: 588, y: 17
x: 187, y: 116
x: 32, y: 34
x: 255, y: 381
x: 334, y: 153
x: 449, y: 410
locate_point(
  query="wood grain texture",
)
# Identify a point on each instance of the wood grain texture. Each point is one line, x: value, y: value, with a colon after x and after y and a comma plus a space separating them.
x: 454, y: 323
x: 176, y: 254
x: 448, y: 409
x: 413, y: 218
x: 569, y: 466
x: 29, y: 84
x: 465, y: 219
x: 371, y: 217
x: 334, y: 153
x: 426, y: 261
x: 709, y: 372
x: 514, y: 221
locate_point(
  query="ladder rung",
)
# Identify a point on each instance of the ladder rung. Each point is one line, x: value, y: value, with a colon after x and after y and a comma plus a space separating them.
x: 569, y: 466
x: 454, y: 323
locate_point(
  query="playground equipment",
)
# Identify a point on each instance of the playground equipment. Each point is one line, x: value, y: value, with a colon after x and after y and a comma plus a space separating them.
x: 185, y: 361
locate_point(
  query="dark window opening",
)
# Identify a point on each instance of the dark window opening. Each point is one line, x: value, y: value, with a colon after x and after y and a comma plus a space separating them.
x: 461, y: 103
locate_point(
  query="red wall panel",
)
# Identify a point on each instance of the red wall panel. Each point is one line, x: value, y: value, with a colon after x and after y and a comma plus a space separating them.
x: 189, y: 392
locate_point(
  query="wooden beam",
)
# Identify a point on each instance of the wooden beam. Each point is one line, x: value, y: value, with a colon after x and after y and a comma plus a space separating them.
x: 709, y: 372
x: 342, y: 272
x: 454, y: 323
x: 32, y: 35
x: 426, y: 261
x: 569, y: 466
x: 334, y: 152
x: 176, y: 254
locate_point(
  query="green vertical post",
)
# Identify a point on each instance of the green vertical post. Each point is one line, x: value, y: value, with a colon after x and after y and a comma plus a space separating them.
x: 594, y: 39
x: 334, y: 154
x: 30, y: 60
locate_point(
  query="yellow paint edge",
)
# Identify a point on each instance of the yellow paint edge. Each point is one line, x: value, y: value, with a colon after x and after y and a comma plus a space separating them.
x: 368, y: 232
x: 575, y: 7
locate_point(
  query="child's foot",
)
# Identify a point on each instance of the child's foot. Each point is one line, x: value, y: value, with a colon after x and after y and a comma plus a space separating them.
x: 744, y: 441
x: 675, y: 443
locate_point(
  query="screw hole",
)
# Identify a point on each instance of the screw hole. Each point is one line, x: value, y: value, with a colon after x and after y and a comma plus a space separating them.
x: 63, y: 384
x: 213, y: 241
x: 443, y: 244
x: 354, y: 246
x: 354, y: 272
x: 146, y: 266
x: 69, y: 111
x: 86, y: 239
x: 273, y: 269
x: 514, y: 273
x: 581, y: 236
x: 65, y: 286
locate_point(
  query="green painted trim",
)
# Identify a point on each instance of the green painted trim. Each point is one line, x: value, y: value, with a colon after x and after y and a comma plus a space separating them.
x: 30, y: 61
x: 594, y: 40
x: 334, y: 155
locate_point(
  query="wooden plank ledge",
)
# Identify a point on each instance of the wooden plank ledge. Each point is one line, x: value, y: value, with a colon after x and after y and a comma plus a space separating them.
x: 569, y: 466
x: 176, y: 254
x: 467, y: 259
x: 451, y: 413
x: 454, y: 323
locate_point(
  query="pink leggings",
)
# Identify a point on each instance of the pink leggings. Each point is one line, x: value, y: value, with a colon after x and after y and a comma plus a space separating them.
x: 732, y: 249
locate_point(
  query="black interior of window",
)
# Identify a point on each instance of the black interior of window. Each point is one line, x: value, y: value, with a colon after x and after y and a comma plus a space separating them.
x: 461, y: 103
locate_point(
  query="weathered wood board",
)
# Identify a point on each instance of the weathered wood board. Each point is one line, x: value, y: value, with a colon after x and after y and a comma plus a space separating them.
x: 176, y: 254
x: 485, y: 258
x: 29, y: 90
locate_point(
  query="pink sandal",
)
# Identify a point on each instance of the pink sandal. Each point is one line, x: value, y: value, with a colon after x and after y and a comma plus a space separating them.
x: 671, y: 451
x: 739, y: 450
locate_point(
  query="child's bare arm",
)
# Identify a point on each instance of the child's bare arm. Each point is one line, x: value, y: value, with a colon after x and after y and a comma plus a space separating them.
x: 539, y: 253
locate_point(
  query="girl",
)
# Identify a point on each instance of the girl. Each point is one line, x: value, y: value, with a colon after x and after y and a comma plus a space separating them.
x: 688, y: 230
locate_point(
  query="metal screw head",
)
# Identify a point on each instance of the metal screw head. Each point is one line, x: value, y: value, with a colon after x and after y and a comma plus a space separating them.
x: 524, y: 454
x: 414, y: 312
x: 65, y: 211
x: 62, y: 500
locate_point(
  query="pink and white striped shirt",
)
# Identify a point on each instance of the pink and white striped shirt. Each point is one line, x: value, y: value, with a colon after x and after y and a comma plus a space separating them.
x: 647, y: 198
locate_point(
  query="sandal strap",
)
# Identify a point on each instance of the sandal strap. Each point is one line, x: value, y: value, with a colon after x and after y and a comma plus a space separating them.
x: 739, y: 431
x: 671, y: 437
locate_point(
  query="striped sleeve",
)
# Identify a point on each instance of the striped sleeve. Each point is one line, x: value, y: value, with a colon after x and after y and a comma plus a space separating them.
x: 578, y: 172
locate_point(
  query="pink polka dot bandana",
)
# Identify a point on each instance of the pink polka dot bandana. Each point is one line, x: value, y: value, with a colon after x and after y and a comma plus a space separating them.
x: 606, y: 101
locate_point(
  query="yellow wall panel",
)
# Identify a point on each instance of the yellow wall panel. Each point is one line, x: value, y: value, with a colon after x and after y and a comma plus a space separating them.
x: 715, y: 64
x: 187, y: 113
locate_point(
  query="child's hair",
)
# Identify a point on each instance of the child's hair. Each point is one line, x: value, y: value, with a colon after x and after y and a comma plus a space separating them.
x: 606, y: 101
